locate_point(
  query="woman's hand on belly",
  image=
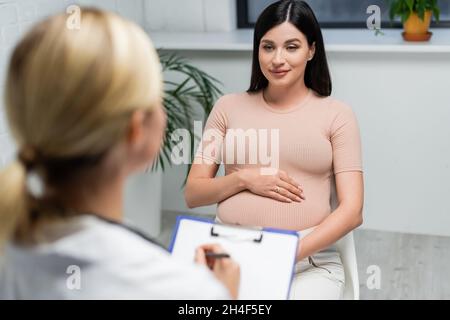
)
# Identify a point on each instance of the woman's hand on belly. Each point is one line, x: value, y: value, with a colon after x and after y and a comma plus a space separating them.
x: 249, y: 209
x: 279, y: 186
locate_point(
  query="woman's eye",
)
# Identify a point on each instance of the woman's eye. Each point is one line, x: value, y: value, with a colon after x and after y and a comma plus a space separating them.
x: 267, y: 48
x: 292, y: 48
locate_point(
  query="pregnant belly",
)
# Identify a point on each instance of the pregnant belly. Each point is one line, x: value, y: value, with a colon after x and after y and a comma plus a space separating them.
x: 248, y: 209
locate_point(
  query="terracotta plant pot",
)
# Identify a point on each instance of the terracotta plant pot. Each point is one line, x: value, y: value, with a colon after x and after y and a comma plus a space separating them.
x: 416, y: 29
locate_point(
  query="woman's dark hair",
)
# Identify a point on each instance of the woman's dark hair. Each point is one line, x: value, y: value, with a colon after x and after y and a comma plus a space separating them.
x: 299, y: 13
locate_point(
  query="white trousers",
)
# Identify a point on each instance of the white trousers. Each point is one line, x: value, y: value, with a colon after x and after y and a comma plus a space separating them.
x: 320, y: 276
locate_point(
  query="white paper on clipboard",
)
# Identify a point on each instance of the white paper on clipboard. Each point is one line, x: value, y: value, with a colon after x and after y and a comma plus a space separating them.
x: 266, y: 257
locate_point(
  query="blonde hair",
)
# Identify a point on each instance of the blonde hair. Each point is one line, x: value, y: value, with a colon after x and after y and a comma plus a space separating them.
x: 69, y: 94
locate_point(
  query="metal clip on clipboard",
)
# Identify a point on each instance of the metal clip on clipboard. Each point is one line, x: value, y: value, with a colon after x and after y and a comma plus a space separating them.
x: 257, y: 239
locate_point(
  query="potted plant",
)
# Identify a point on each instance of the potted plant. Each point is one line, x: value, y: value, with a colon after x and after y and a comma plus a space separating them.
x: 192, y: 87
x: 195, y: 88
x: 415, y: 16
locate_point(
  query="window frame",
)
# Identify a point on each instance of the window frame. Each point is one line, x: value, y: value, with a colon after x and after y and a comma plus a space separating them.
x: 244, y: 23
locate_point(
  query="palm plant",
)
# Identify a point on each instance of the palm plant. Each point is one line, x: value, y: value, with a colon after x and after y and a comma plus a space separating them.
x: 180, y: 98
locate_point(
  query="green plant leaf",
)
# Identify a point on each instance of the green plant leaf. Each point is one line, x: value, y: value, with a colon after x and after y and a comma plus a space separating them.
x: 405, y: 16
x: 392, y: 7
x: 197, y: 88
x: 436, y: 13
x: 410, y: 4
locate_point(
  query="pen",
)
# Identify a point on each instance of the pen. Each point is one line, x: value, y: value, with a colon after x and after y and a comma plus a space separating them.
x: 217, y: 255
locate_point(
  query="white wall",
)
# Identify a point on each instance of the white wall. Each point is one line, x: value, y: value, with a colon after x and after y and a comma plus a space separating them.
x: 190, y: 15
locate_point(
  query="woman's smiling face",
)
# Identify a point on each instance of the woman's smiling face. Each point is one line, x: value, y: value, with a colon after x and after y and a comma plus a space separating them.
x: 283, y: 55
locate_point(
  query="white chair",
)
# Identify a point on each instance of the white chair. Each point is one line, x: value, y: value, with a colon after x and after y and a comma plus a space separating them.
x: 346, y: 248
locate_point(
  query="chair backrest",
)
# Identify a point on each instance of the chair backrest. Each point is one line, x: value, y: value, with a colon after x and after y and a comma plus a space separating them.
x: 346, y: 248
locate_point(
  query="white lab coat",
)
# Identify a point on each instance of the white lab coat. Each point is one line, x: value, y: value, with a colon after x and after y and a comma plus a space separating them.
x: 89, y: 258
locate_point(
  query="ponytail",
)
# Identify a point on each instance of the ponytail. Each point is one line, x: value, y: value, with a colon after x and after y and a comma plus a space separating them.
x: 61, y: 134
x: 13, y: 200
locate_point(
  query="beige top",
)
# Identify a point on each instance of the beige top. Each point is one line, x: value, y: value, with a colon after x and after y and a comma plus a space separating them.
x: 316, y: 139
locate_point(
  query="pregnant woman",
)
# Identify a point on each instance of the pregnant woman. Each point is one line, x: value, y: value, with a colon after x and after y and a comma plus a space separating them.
x: 314, y: 137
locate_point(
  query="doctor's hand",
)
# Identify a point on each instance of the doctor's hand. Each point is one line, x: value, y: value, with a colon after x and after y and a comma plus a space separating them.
x: 226, y: 270
x: 279, y: 186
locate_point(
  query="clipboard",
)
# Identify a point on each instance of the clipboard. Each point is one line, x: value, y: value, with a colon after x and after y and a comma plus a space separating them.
x: 266, y: 256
